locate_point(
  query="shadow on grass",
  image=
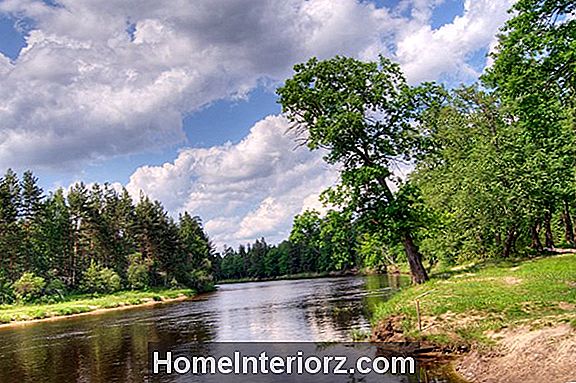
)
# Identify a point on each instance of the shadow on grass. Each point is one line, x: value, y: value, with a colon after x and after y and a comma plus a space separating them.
x: 502, y: 263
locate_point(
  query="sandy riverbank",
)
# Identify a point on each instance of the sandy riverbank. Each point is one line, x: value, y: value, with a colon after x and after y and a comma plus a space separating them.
x: 524, y: 355
x: 510, y: 321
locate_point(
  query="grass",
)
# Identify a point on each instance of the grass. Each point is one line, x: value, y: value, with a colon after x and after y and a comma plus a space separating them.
x: 460, y: 305
x: 77, y: 304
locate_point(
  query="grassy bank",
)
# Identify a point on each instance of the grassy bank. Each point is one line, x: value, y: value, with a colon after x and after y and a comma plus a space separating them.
x: 464, y: 305
x: 77, y: 304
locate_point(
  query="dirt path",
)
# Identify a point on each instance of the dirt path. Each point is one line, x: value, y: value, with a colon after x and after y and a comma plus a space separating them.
x: 546, y: 355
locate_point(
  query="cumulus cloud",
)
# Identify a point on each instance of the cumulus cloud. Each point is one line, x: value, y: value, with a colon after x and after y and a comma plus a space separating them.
x: 426, y: 53
x: 242, y: 191
x: 100, y: 79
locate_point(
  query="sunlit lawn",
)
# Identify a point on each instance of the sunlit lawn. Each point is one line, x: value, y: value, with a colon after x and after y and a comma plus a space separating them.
x: 462, y: 304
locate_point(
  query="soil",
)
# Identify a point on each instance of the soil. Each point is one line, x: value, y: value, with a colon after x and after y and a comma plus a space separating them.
x: 524, y: 355
x: 521, y: 355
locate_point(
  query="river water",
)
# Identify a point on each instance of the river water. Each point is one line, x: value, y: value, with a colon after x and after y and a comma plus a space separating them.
x: 113, y: 346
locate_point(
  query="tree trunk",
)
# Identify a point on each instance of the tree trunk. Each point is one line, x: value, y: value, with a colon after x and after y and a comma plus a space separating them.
x: 498, y: 239
x: 568, y: 226
x: 509, y: 242
x: 535, y: 234
x: 417, y: 269
x: 548, y: 229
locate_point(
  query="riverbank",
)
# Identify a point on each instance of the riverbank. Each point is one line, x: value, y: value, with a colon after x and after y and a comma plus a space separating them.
x: 291, y: 277
x: 76, y: 305
x: 512, y: 320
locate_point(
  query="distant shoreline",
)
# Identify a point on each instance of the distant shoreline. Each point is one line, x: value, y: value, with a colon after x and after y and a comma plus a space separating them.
x: 331, y: 274
x: 291, y: 277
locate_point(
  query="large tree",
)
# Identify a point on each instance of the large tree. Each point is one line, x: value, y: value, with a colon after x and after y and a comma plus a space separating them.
x: 534, y: 74
x: 363, y: 115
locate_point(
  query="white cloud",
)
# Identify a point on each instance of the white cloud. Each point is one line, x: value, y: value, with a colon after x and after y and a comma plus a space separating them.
x: 242, y: 191
x: 85, y: 87
x: 100, y: 79
x: 426, y: 53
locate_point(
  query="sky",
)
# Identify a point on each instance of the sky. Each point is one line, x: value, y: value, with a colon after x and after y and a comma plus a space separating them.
x: 176, y: 99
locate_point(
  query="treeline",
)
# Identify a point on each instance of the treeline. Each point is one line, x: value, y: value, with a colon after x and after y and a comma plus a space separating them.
x: 318, y: 244
x: 494, y: 163
x: 94, y: 240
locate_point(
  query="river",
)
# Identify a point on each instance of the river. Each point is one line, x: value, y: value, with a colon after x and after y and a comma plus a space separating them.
x: 113, y: 346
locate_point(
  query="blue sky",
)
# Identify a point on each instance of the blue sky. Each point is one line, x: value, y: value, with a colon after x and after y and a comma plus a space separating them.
x: 177, y: 99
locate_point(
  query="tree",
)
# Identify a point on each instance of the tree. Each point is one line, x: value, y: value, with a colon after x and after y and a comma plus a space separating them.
x: 362, y: 114
x: 306, y: 235
x: 536, y: 51
x: 338, y: 242
x: 11, y: 255
x: 475, y: 177
x: 55, y: 238
x: 31, y: 196
x: 534, y: 76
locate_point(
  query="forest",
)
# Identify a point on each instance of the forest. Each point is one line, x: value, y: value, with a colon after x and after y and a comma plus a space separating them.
x: 492, y: 164
x: 93, y: 240
x: 491, y: 174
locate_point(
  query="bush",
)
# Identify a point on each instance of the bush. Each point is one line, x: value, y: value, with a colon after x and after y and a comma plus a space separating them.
x: 100, y: 280
x: 39, y: 314
x: 6, y: 292
x: 200, y: 280
x: 29, y: 287
x: 55, y: 290
x: 138, y: 273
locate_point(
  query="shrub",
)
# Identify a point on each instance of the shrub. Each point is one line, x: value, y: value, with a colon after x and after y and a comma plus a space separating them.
x: 174, y: 284
x: 6, y: 292
x: 39, y: 314
x: 199, y: 280
x: 29, y: 287
x: 55, y: 290
x: 100, y: 280
x: 138, y: 273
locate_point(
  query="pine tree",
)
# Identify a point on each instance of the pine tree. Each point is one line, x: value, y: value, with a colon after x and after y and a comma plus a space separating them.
x: 11, y: 259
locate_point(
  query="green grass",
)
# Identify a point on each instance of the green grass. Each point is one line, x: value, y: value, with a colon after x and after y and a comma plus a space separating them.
x: 460, y: 305
x: 77, y: 304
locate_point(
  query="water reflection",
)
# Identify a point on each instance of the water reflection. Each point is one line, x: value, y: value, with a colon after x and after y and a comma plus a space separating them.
x: 112, y: 347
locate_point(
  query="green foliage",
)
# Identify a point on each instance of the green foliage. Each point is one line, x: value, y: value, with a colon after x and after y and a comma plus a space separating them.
x: 6, y: 292
x: 317, y: 245
x: 374, y: 253
x: 29, y: 287
x: 138, y: 272
x: 364, y: 115
x: 101, y: 280
x: 55, y: 291
x: 58, y: 237
x: 200, y: 280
